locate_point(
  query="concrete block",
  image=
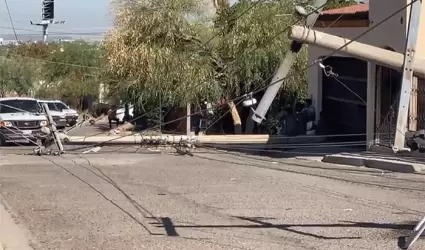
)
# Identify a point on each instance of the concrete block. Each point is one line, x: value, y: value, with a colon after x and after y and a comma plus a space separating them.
x: 393, y: 165
x: 344, y: 160
x: 377, y: 163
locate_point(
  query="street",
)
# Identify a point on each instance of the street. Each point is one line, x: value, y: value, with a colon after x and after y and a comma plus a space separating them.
x: 213, y: 200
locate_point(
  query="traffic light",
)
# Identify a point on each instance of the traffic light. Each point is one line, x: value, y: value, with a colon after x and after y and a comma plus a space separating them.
x: 48, y: 10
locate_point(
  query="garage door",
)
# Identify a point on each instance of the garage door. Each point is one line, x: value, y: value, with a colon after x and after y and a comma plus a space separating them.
x: 344, y: 111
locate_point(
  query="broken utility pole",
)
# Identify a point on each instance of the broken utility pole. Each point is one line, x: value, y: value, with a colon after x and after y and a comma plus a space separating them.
x: 407, y: 79
x: 285, y: 66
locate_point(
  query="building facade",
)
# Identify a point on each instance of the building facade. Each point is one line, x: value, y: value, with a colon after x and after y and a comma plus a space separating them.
x: 364, y: 97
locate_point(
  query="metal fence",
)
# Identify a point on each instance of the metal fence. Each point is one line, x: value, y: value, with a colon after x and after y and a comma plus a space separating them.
x: 388, y: 94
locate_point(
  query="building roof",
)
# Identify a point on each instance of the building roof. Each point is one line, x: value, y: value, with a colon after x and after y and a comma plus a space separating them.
x: 350, y: 10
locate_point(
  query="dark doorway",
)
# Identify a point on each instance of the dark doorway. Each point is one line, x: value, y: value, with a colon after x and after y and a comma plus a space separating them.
x: 344, y: 101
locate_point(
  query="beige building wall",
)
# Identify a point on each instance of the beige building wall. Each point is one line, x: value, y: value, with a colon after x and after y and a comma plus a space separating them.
x: 420, y: 44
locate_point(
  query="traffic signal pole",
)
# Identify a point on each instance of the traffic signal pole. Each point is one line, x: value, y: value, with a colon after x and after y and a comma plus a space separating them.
x: 47, y: 17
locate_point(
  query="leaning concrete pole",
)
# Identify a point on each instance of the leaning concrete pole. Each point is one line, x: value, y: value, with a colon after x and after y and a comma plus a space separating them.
x: 407, y: 79
x: 362, y: 51
x: 285, y: 66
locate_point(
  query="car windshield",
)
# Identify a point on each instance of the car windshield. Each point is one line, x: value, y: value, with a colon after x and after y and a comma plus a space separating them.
x: 52, y: 106
x: 18, y: 106
x: 61, y: 105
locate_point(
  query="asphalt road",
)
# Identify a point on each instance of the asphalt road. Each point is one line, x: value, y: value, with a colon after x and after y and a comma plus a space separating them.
x: 209, y: 201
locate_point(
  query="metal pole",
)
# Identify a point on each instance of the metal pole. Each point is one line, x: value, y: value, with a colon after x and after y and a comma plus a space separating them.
x: 406, y: 84
x: 383, y: 57
x: 188, y: 120
x: 45, y: 34
x: 53, y: 127
x: 160, y: 112
x: 285, y: 66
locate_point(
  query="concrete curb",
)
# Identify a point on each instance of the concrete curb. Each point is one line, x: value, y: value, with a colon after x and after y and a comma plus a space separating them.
x: 378, y: 163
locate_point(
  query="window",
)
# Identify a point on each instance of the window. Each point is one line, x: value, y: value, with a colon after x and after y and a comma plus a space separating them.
x: 52, y: 106
x: 18, y: 106
x: 61, y: 105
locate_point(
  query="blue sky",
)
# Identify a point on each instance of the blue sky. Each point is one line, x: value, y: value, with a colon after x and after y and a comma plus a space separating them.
x: 80, y: 16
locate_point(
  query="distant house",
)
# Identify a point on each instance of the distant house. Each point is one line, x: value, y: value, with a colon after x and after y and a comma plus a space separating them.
x: 367, y: 104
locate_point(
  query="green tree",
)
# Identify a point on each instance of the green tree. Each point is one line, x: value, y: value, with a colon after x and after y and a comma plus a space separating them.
x: 334, y: 4
x: 68, y: 71
x: 16, y: 76
x: 156, y: 48
x: 252, y: 44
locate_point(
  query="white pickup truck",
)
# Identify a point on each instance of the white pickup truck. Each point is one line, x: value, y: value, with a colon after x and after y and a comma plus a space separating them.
x: 21, y: 120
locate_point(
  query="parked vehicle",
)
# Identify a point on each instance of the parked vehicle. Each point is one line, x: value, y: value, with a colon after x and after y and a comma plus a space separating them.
x: 59, y: 117
x: 71, y: 115
x: 21, y: 120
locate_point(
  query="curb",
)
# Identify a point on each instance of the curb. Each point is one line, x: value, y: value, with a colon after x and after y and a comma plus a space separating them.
x: 383, y: 164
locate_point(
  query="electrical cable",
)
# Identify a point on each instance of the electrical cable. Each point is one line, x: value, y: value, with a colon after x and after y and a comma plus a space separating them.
x: 334, y: 75
x: 243, y: 96
x: 55, y: 32
x: 309, y: 66
x: 11, y: 20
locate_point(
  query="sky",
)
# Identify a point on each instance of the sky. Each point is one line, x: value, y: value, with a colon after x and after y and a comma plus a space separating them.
x: 80, y: 16
x: 83, y: 18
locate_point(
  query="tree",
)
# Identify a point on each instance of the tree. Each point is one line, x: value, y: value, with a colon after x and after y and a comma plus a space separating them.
x: 251, y: 46
x: 335, y: 4
x: 155, y: 47
x: 160, y: 48
x: 16, y: 76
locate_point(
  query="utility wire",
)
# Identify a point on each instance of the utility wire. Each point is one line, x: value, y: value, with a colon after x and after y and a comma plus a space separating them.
x: 306, y: 68
x: 309, y: 66
x: 56, y: 32
x: 11, y: 20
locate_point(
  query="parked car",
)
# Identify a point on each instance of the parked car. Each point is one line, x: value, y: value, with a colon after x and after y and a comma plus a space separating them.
x: 71, y: 115
x: 21, y: 120
x: 58, y: 115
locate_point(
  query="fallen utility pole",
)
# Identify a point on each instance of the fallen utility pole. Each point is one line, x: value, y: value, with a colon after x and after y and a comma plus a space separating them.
x: 52, y: 125
x: 288, y: 60
x: 176, y: 139
x: 359, y: 50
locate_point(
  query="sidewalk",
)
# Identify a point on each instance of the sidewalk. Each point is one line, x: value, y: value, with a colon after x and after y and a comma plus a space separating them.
x: 12, y: 236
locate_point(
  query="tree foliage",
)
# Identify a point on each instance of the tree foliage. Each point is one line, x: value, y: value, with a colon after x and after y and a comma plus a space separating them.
x: 155, y: 48
x: 68, y: 71
x: 334, y: 4
x: 16, y: 77
x: 252, y: 43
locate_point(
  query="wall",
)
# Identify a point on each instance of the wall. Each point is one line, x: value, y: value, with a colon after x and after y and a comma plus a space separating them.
x: 420, y: 50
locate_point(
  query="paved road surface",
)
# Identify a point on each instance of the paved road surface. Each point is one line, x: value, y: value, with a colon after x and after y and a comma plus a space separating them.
x: 209, y: 201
